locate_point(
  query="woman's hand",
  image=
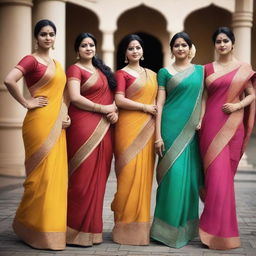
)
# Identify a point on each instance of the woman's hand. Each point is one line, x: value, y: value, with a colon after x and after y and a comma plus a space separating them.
x: 198, y: 127
x: 107, y: 109
x: 159, y: 147
x: 152, y: 109
x: 37, y: 102
x: 112, y: 117
x: 229, y: 108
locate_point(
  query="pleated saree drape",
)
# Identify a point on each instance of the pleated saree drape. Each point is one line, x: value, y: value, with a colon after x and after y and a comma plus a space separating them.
x: 223, y: 138
x: 134, y: 164
x: 90, y: 152
x: 179, y: 170
x: 40, y: 220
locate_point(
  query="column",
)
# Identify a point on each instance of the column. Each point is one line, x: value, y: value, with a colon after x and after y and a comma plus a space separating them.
x: 242, y: 24
x: 54, y: 10
x: 15, y: 34
x: 108, y: 48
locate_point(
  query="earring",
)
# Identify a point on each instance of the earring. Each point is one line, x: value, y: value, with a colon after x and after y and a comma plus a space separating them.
x: 78, y: 56
x: 53, y: 47
x: 172, y: 56
x: 142, y: 58
x: 189, y: 55
x: 36, y: 46
x: 126, y: 60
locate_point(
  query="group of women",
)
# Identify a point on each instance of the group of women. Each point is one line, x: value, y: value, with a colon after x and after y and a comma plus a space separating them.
x: 197, y: 119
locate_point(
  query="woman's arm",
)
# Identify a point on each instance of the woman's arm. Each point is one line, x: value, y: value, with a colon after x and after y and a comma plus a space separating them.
x: 83, y: 103
x: 11, y: 83
x: 125, y: 103
x: 247, y: 100
x: 159, y: 144
x: 203, y: 107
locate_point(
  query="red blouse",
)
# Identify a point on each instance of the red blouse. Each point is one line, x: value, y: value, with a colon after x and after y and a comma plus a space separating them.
x: 123, y: 80
x: 32, y: 70
x: 75, y: 72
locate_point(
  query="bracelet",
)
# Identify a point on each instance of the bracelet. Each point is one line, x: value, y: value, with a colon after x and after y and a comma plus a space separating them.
x: 158, y: 140
x: 97, y: 108
x: 241, y: 105
x: 144, y: 108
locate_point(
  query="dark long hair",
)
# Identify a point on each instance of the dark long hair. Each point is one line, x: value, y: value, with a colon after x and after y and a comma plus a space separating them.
x: 125, y: 42
x: 97, y: 62
x: 225, y: 30
x: 42, y: 23
x: 182, y: 35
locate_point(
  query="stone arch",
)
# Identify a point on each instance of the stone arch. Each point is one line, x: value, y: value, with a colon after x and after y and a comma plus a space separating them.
x: 151, y: 26
x: 80, y: 19
x: 200, y: 25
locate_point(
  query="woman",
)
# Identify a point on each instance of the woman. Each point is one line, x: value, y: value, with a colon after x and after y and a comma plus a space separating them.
x: 179, y: 167
x: 89, y: 140
x: 230, y: 105
x: 134, y: 146
x: 40, y: 220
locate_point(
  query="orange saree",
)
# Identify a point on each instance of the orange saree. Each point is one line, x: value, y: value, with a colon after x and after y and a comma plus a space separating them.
x: 134, y: 160
x: 40, y: 220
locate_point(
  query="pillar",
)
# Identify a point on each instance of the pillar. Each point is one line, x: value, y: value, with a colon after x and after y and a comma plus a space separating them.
x: 108, y: 48
x: 15, y: 34
x: 54, y: 10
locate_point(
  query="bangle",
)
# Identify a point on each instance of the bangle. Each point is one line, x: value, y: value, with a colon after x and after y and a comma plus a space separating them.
x: 144, y: 108
x: 241, y: 105
x: 158, y: 140
x: 97, y: 108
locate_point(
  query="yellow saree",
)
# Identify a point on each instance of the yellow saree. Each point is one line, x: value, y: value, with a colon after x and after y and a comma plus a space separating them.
x: 134, y: 162
x: 40, y: 220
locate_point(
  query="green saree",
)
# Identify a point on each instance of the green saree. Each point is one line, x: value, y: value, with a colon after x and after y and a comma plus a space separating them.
x: 179, y: 172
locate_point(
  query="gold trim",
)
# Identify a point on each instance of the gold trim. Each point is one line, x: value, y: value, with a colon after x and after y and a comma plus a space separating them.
x: 39, y: 239
x: 217, y: 242
x: 90, y: 82
x: 92, y: 142
x: 83, y: 238
x: 53, y: 136
x: 46, y: 78
x: 137, y: 145
x: 135, y: 233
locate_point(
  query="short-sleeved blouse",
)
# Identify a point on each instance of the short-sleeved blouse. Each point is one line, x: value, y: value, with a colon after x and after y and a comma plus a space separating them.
x: 74, y: 72
x: 123, y: 80
x: 163, y: 76
x: 32, y: 70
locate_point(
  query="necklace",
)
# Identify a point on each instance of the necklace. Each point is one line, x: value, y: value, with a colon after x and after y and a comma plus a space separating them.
x: 179, y: 69
x: 48, y: 60
x: 138, y: 70
x: 88, y: 67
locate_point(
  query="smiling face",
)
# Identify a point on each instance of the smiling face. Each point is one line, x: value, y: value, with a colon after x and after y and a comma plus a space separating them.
x: 223, y: 44
x: 134, y: 51
x: 87, y: 49
x: 180, y: 49
x: 46, y: 37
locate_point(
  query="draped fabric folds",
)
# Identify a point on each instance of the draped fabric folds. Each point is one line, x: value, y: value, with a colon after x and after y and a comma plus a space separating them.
x: 179, y: 171
x: 134, y: 161
x: 90, y: 152
x: 40, y: 220
x: 222, y: 141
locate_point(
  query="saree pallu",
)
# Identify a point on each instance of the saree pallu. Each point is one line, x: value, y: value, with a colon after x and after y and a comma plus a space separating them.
x: 222, y: 141
x: 40, y: 220
x: 134, y: 165
x: 179, y: 171
x: 89, y: 140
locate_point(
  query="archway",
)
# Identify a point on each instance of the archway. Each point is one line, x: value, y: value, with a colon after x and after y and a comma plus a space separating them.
x: 200, y: 25
x: 150, y: 25
x: 77, y: 23
x: 153, y: 54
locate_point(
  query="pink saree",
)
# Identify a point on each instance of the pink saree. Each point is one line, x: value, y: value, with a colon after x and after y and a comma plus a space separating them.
x: 223, y: 138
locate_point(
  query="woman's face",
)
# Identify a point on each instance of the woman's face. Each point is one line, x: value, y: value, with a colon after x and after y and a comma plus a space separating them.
x: 180, y: 49
x: 134, y: 51
x: 87, y: 49
x: 46, y: 37
x: 223, y: 44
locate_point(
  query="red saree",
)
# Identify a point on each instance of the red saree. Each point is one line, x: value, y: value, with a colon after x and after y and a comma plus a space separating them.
x: 222, y: 146
x: 89, y: 140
